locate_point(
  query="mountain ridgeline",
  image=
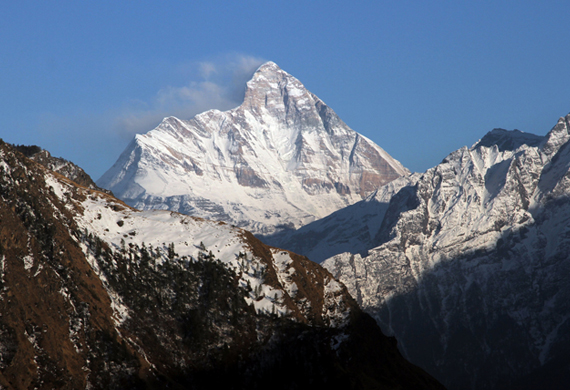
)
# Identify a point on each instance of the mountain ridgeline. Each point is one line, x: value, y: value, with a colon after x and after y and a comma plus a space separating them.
x: 464, y: 264
x: 59, y: 165
x: 95, y: 294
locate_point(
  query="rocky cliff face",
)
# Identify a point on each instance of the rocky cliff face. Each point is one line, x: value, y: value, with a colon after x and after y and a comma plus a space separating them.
x: 472, y: 263
x: 280, y: 160
x: 95, y: 294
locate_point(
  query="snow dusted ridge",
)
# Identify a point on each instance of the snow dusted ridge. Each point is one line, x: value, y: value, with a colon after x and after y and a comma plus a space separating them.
x: 271, y: 275
x: 97, y: 295
x: 59, y: 165
x: 475, y: 258
x: 281, y: 159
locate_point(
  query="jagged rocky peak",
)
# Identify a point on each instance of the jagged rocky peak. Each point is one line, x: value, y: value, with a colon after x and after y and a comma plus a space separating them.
x: 268, y: 78
x: 475, y: 255
x: 558, y: 136
x: 268, y: 81
x: 274, y: 89
x: 282, y: 158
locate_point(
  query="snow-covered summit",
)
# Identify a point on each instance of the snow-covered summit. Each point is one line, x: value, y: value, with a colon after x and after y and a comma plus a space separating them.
x: 282, y: 158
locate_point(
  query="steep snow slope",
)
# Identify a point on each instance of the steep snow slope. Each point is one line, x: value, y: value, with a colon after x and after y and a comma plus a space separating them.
x: 193, y: 238
x: 281, y: 159
x: 473, y: 261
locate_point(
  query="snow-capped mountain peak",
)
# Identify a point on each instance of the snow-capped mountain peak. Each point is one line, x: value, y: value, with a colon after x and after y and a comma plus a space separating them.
x: 558, y: 136
x: 282, y: 158
x: 508, y: 139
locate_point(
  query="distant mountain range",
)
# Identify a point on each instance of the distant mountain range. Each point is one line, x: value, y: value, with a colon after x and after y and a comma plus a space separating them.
x: 280, y: 160
x: 466, y: 264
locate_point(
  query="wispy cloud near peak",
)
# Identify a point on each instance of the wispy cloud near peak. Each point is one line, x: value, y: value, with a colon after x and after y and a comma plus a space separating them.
x: 216, y: 84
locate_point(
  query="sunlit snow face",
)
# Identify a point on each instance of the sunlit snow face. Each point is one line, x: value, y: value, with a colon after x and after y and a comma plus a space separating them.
x: 282, y: 158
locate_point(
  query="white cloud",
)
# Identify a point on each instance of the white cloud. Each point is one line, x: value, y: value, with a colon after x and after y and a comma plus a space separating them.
x: 207, y: 68
x: 217, y: 84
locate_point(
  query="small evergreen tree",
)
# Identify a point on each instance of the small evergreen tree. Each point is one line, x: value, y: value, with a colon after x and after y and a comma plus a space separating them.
x: 171, y: 252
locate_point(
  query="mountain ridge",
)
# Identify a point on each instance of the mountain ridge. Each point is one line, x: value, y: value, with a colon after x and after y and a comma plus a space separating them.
x: 95, y: 294
x: 59, y: 165
x: 475, y: 255
x: 352, y: 229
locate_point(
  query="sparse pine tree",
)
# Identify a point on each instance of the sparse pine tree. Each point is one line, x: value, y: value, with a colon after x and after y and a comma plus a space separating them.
x: 171, y: 251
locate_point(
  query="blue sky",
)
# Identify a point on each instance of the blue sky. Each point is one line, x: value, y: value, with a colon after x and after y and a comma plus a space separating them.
x: 420, y: 78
